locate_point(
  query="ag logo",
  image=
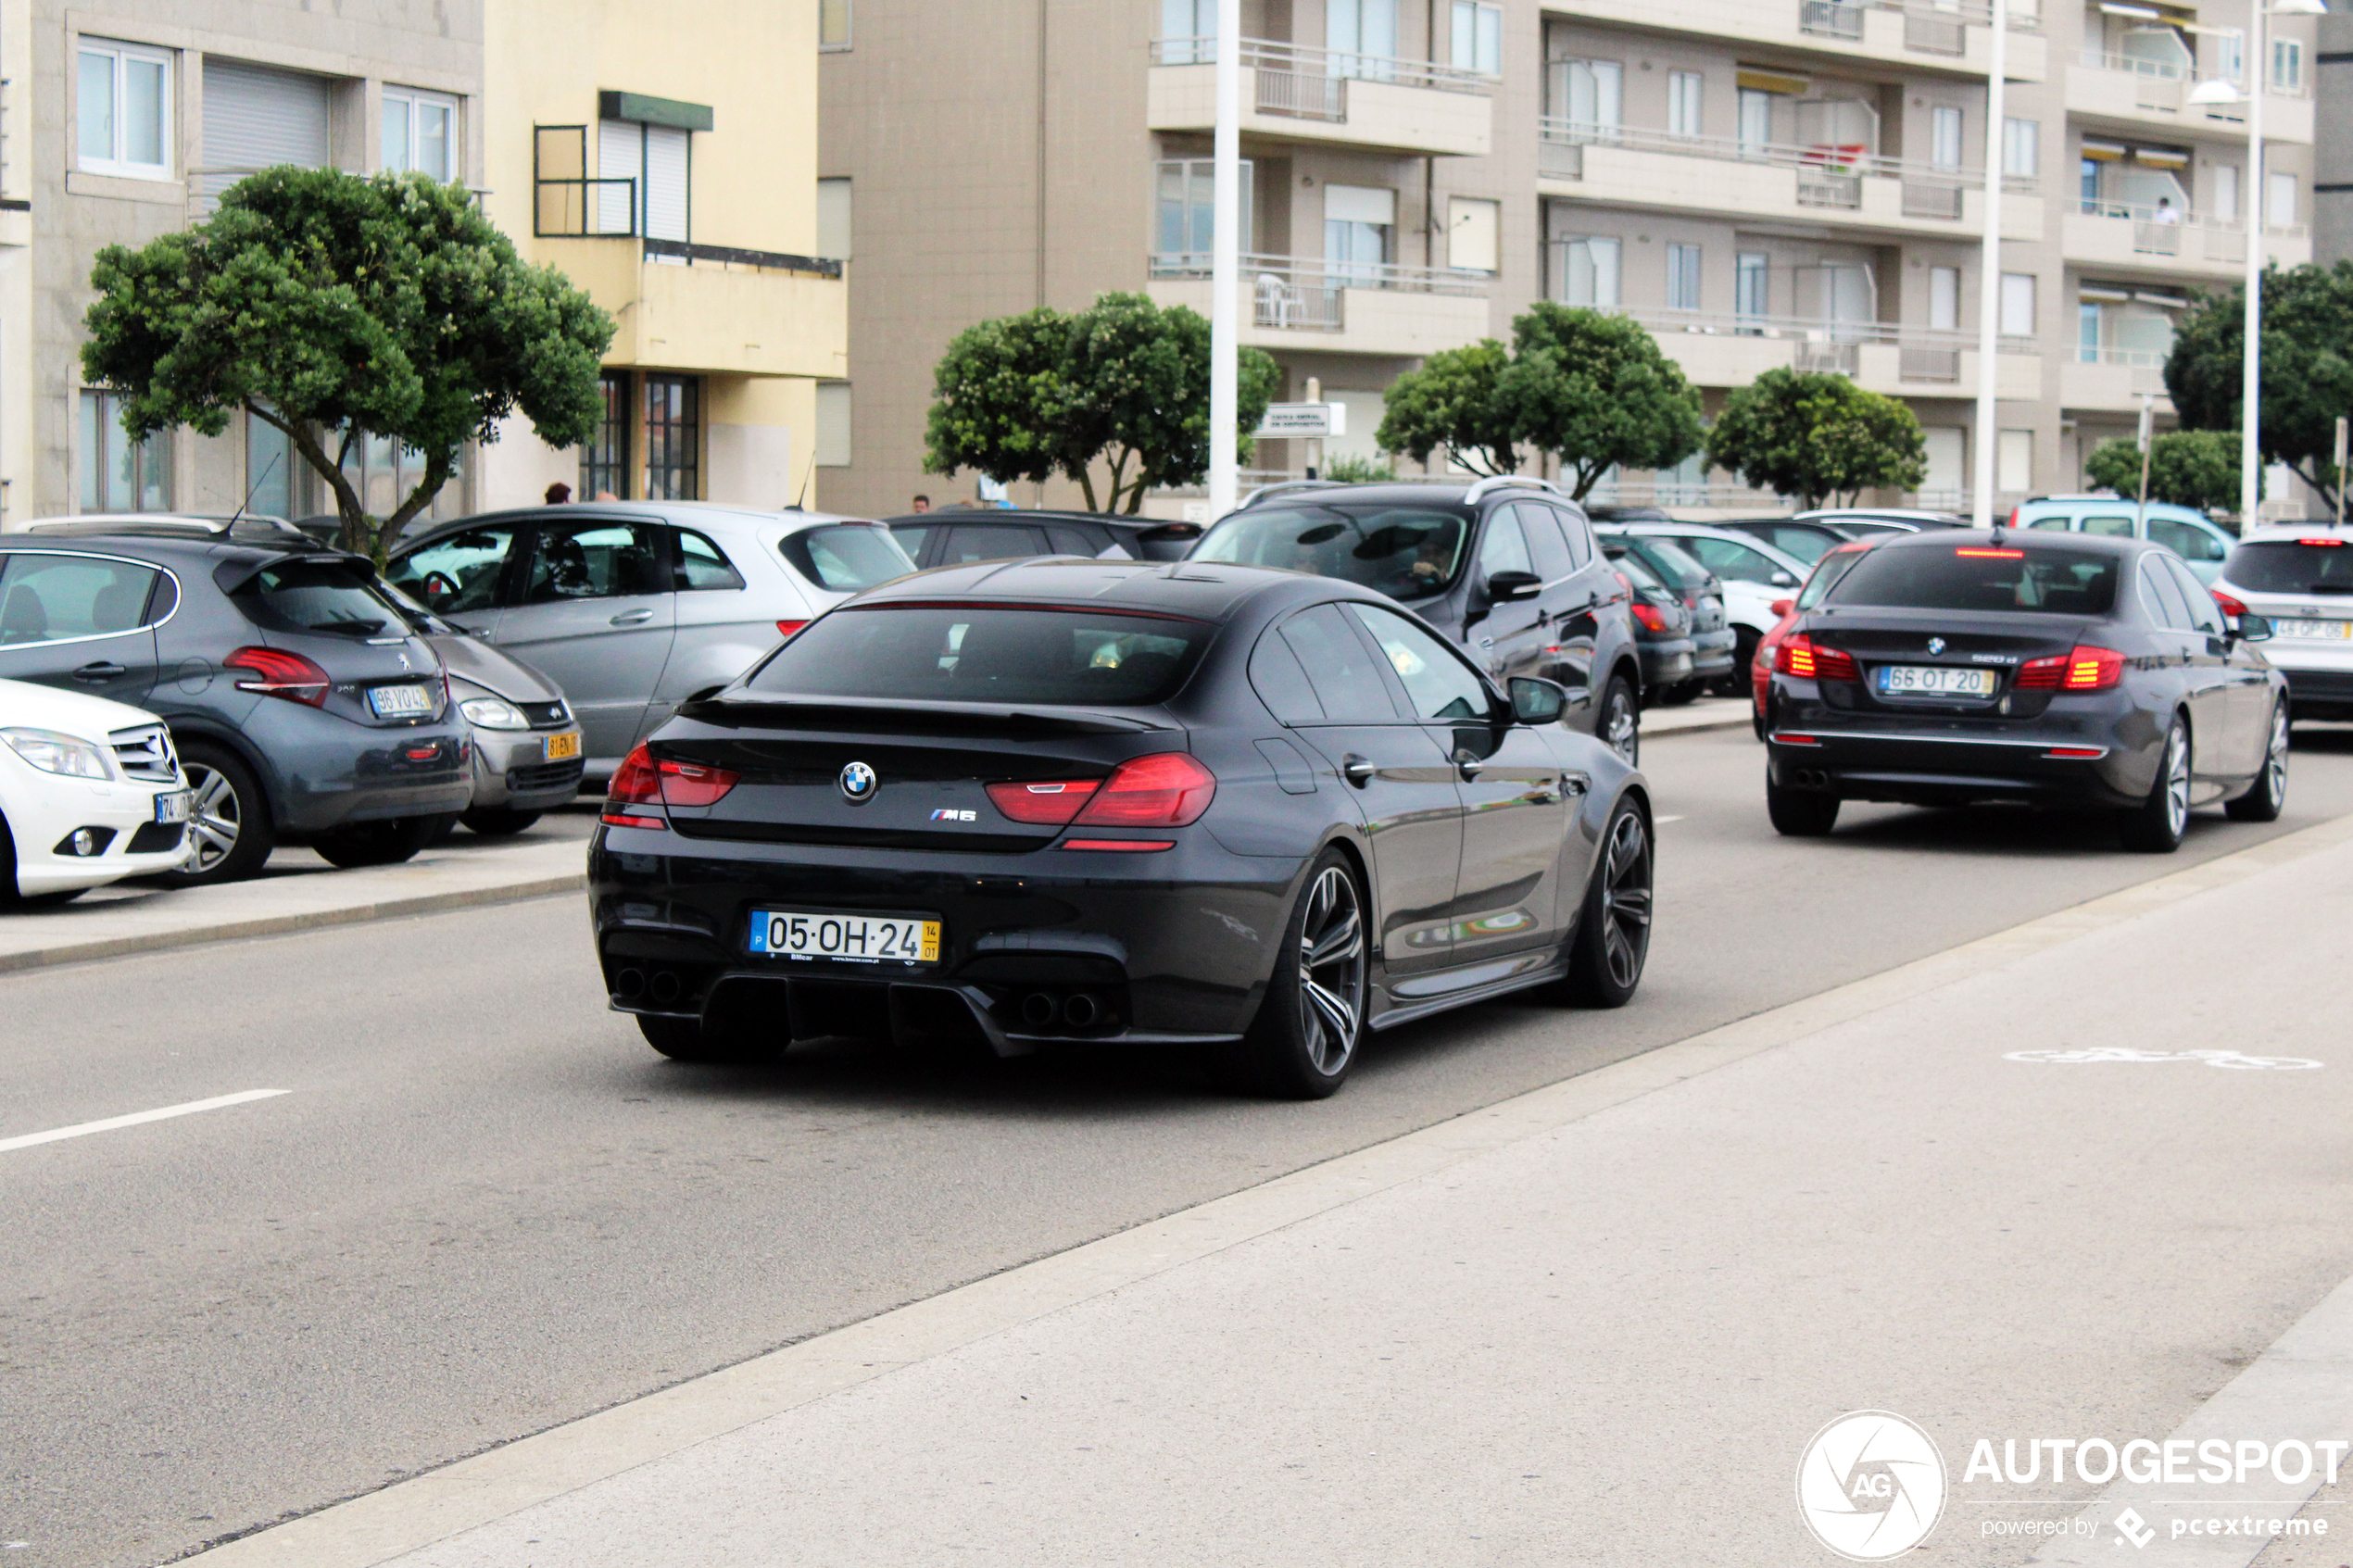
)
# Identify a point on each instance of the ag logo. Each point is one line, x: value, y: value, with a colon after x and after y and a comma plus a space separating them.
x: 858, y: 783
x: 1871, y: 1486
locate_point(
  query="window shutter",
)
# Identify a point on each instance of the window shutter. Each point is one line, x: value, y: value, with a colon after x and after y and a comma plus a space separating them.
x: 621, y: 155
x: 257, y: 118
x: 666, y: 197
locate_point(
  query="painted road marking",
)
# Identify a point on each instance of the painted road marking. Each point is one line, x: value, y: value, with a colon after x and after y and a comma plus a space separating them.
x: 27, y: 1140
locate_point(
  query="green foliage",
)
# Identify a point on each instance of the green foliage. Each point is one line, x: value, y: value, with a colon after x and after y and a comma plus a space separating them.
x: 1454, y: 404
x: 1818, y: 437
x: 2187, y: 467
x: 1124, y: 381
x: 1349, y: 468
x: 1594, y: 391
x: 2306, y: 366
x: 335, y: 307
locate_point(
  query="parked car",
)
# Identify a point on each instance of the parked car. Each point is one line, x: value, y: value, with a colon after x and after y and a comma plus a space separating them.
x: 90, y: 793
x: 1827, y: 571
x: 957, y: 537
x: 303, y: 708
x: 1859, y: 521
x: 1801, y: 539
x: 1605, y: 512
x: 1949, y: 668
x: 1662, y: 630
x: 2302, y: 581
x: 629, y: 605
x: 1508, y: 568
x: 1142, y: 805
x: 2187, y: 533
x: 1752, y: 575
x: 525, y: 742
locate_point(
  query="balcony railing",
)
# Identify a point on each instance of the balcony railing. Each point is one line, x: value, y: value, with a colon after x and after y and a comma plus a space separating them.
x: 1269, y: 56
x: 2137, y: 359
x: 1828, y: 175
x: 1929, y: 29
x: 1311, y: 272
x: 1924, y: 354
x: 2186, y: 235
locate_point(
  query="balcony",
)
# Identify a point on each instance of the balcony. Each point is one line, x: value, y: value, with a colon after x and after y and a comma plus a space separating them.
x: 2119, y: 237
x: 1293, y: 303
x: 1877, y: 356
x: 1618, y: 166
x: 1922, y: 37
x: 710, y: 308
x: 2111, y: 381
x: 1290, y: 94
x: 2136, y: 94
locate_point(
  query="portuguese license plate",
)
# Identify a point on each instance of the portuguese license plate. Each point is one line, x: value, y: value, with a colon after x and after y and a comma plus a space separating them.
x: 563, y: 748
x: 398, y: 702
x: 2334, y: 630
x: 791, y: 933
x: 1921, y: 680
x: 173, y: 806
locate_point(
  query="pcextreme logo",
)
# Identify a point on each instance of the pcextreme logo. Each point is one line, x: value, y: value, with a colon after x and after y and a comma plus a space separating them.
x: 1871, y: 1486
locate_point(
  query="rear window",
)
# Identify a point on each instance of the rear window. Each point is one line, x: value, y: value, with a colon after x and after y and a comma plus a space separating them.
x: 2039, y: 579
x: 1405, y: 552
x: 1672, y: 560
x: 1054, y: 657
x: 1636, y: 572
x: 305, y: 596
x: 2293, y: 566
x: 1826, y: 577
x: 844, y: 558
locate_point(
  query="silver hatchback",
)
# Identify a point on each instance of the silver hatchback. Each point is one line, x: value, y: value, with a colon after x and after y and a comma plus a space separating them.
x: 630, y: 606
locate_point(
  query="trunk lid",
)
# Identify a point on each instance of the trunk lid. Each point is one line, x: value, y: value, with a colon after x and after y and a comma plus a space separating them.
x: 1999, y: 644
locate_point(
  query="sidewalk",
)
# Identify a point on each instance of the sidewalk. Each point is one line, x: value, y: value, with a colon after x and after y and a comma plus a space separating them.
x: 1703, y: 713
x: 1597, y: 1323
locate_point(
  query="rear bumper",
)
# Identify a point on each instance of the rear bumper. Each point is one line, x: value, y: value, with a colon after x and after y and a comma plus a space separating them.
x: 1890, y: 762
x: 1713, y: 653
x: 1667, y: 662
x: 2320, y: 693
x: 327, y: 771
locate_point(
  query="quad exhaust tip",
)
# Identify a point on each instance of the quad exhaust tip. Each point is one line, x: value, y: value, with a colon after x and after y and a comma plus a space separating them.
x: 1043, y: 1009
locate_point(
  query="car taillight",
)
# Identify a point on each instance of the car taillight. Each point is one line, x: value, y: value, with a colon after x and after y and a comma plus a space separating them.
x: 634, y: 783
x: 2230, y: 606
x: 694, y: 783
x: 1167, y: 789
x: 1802, y: 655
x: 1648, y: 615
x: 2086, y: 669
x: 285, y: 674
x: 789, y: 627
x: 1052, y: 804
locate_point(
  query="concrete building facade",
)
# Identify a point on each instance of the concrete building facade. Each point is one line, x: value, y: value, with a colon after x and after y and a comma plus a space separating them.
x: 1758, y: 182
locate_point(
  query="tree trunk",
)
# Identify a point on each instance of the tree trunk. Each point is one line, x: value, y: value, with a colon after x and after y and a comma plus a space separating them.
x: 352, y: 533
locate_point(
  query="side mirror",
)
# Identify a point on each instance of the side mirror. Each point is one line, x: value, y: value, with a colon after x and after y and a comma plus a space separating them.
x: 1537, y: 701
x: 1782, y: 607
x: 1506, y: 586
x: 2255, y: 628
x: 1783, y: 580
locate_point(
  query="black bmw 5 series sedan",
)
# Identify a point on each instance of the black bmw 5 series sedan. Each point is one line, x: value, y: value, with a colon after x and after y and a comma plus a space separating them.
x: 1121, y: 802
x: 1956, y: 666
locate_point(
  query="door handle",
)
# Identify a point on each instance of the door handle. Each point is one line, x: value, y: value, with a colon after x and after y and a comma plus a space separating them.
x: 633, y: 618
x: 102, y: 671
x: 1358, y: 770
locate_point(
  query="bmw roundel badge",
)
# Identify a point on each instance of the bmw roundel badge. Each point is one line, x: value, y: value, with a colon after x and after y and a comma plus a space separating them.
x: 1936, y: 645
x: 858, y: 783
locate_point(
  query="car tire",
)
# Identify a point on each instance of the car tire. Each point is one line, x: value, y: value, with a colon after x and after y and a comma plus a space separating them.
x: 498, y: 822
x: 2157, y: 825
x: 1744, y: 641
x: 381, y: 844
x: 1617, y: 722
x: 1312, y: 1019
x: 690, y: 1039
x: 1800, y: 813
x: 2266, y: 797
x: 229, y: 817
x: 1679, y: 694
x: 1613, y: 936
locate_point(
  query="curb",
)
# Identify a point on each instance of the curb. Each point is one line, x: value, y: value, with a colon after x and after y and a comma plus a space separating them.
x: 278, y: 925
x: 1739, y: 722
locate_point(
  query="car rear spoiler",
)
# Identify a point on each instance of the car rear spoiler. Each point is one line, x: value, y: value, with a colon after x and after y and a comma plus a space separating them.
x: 234, y: 574
x: 906, y: 717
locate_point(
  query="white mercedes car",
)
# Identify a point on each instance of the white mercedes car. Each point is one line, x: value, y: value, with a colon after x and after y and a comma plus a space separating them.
x: 90, y: 793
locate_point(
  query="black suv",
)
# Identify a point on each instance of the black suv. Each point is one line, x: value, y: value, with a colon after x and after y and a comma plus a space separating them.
x: 961, y: 537
x: 303, y: 709
x: 1508, y: 567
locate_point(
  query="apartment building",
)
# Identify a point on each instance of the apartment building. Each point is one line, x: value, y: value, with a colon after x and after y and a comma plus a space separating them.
x: 1761, y: 182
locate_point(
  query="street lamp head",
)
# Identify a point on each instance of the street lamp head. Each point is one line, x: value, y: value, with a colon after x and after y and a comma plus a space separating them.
x: 2215, y: 90
x: 2297, y: 8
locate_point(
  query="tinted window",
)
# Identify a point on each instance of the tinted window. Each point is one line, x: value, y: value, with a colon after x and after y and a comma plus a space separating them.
x: 910, y: 537
x: 844, y: 558
x: 1736, y: 561
x: 2163, y: 596
x: 966, y: 654
x: 591, y: 560
x: 2048, y: 580
x: 2205, y: 614
x: 1405, y: 552
x: 701, y: 564
x: 1069, y: 541
x: 2108, y: 526
x: 457, y: 572
x: 2293, y: 566
x: 1579, y: 533
x: 1439, y: 684
x: 2184, y: 540
x: 1803, y: 543
x: 1281, y: 683
x: 2057, y: 523
x: 1827, y: 572
x: 316, y: 596
x: 1671, y: 563
x: 43, y: 598
x: 1631, y: 566
x: 1504, y: 548
x: 1348, y: 684
x: 991, y: 541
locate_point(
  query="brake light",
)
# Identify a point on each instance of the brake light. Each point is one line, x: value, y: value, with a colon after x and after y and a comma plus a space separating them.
x: 1052, y: 804
x: 285, y: 674
x: 1983, y: 553
x: 2078, y: 753
x: 2331, y: 544
x: 2041, y: 675
x: 1167, y: 789
x: 1126, y: 845
x: 694, y: 783
x: 789, y: 627
x: 634, y: 783
x: 2086, y: 669
x: 1802, y: 655
x: 1648, y: 615
x: 2230, y: 606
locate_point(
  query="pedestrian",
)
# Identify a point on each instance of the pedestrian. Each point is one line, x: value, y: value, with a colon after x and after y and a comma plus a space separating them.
x: 922, y: 504
x: 559, y: 493
x: 2165, y: 213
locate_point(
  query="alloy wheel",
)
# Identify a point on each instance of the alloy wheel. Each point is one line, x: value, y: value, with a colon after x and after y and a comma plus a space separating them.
x: 2177, y: 781
x: 1625, y: 899
x: 215, y: 815
x: 1331, y: 970
x: 2275, y: 762
x: 1620, y: 730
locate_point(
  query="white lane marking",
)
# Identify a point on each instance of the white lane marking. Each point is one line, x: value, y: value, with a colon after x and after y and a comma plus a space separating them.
x: 27, y: 1140
x: 2128, y: 1053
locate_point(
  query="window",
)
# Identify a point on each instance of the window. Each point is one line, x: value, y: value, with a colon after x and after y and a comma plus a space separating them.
x: 1945, y: 137
x: 383, y: 472
x: 1281, y: 683
x: 2288, y: 64
x: 270, y: 469
x: 2185, y: 540
x: 1052, y: 658
x: 2022, y: 148
x: 844, y: 558
x: 1589, y: 93
x: 833, y: 424
x: 122, y: 110
x: 2087, y: 183
x: 1479, y: 37
x: 1407, y: 552
x: 673, y: 438
x: 2226, y: 192
x: 2014, y: 461
x: 1474, y: 238
x: 1358, y: 221
x: 660, y: 159
x: 595, y: 558
x: 118, y: 473
x: 2088, y: 336
x: 1947, y: 471
x: 2283, y: 201
x: 1188, y: 31
x: 1185, y: 225
x: 420, y: 134
x: 1756, y: 127
x: 258, y: 117
x: 604, y: 461
x: 1362, y: 36
x: 1440, y: 685
x: 1944, y: 298
x: 2051, y: 579
x: 48, y: 598
x: 1735, y: 562
x: 700, y: 564
x: 1682, y: 277
x: 1504, y: 548
x: 2017, y: 304
x: 991, y: 541
x: 1752, y: 285
x: 1686, y: 98
x: 1546, y: 545
x: 833, y: 24
x: 457, y: 573
x: 834, y: 232
x: 1589, y: 272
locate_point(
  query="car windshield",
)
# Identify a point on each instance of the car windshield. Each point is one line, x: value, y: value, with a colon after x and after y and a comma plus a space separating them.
x: 2038, y: 579
x: 844, y: 558
x: 316, y: 596
x: 1403, y: 551
x: 956, y: 653
x: 2293, y: 566
x: 1631, y: 565
x: 1826, y: 576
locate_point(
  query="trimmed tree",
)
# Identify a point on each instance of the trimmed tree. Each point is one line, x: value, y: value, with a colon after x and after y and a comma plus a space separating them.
x: 337, y: 306
x: 1454, y: 404
x: 1595, y: 391
x: 2187, y: 467
x: 1818, y: 437
x: 997, y: 400
x: 2308, y: 367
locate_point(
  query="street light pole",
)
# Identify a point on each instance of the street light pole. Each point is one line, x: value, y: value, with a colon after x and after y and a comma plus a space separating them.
x: 1989, y: 290
x: 1225, y: 265
x: 2251, y: 368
